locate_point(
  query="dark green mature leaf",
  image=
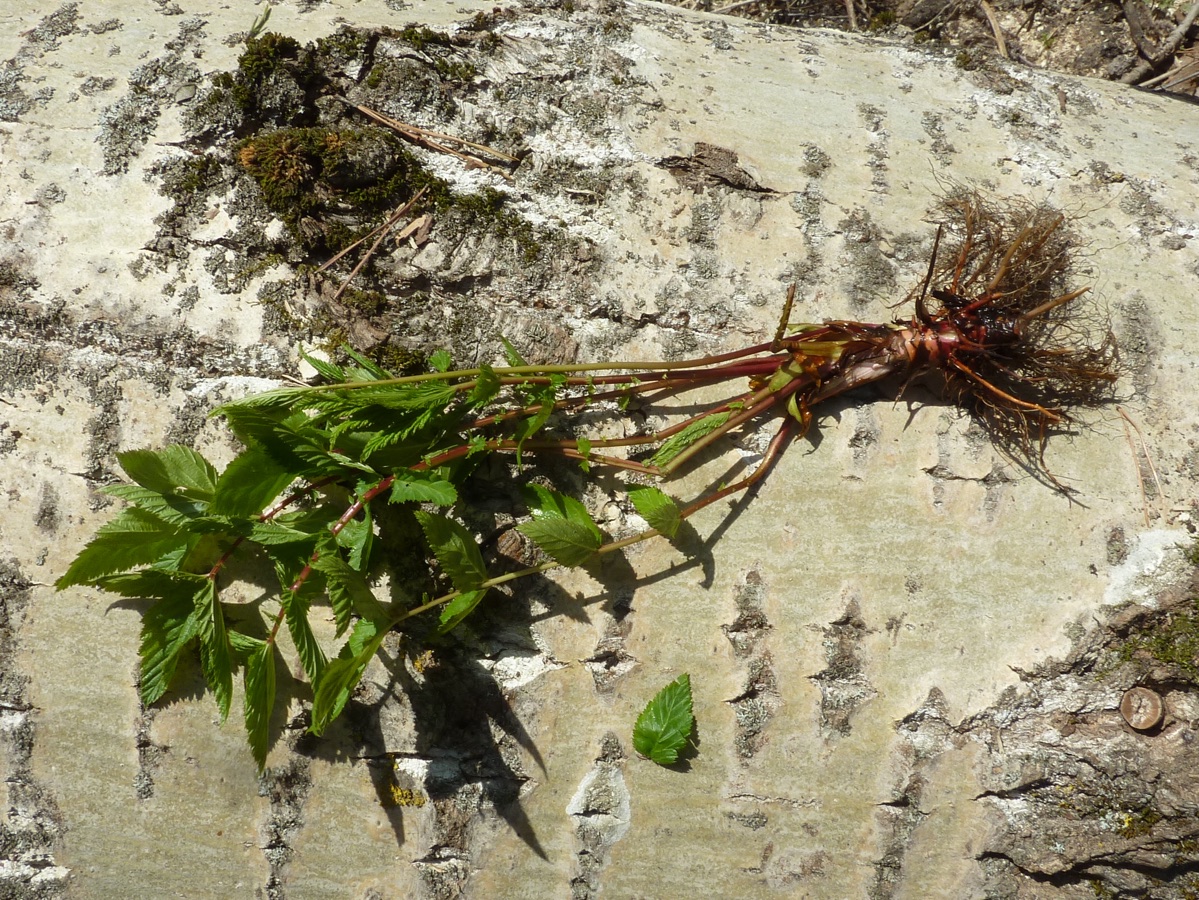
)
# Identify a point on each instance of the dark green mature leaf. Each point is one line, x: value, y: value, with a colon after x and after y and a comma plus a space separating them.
x: 422, y: 487
x: 134, y: 538
x: 458, y: 609
x: 665, y: 725
x: 175, y: 509
x: 167, y: 627
x: 312, y: 657
x: 293, y: 443
x: 655, y: 507
x: 172, y: 469
x: 358, y: 538
x: 259, y: 684
x: 676, y: 444
x: 275, y: 533
x: 455, y: 549
x: 348, y: 589
x: 544, y: 503
x: 342, y: 675
x: 249, y: 484
x: 216, y: 657
x: 569, y: 543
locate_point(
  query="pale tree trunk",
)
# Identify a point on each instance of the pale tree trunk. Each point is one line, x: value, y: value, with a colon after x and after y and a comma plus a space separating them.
x: 907, y: 655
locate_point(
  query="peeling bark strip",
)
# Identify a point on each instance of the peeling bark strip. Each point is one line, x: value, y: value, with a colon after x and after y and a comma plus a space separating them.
x: 120, y: 330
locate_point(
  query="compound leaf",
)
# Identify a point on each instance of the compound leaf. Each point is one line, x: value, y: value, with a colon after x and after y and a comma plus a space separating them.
x: 665, y: 725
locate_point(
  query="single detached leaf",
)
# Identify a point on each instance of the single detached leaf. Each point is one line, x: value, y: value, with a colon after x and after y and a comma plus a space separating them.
x: 677, y: 443
x: 458, y: 609
x: 170, y: 470
x: 134, y: 538
x: 656, y: 508
x: 422, y: 487
x: 568, y: 542
x: 665, y: 725
x: 455, y: 549
x: 259, y: 684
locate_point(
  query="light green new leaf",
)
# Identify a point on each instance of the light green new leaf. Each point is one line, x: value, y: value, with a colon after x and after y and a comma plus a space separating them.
x: 569, y: 543
x: 440, y: 361
x: 173, y: 469
x: 259, y: 684
x: 458, y: 609
x: 657, y: 508
x: 665, y: 725
x: 455, y: 549
x: 134, y: 538
x: 249, y: 484
x: 327, y: 370
x: 216, y: 658
x: 175, y: 509
x: 422, y: 487
x: 676, y: 444
x: 274, y: 533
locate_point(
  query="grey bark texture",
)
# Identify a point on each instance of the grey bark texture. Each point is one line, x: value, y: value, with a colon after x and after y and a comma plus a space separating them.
x: 908, y: 656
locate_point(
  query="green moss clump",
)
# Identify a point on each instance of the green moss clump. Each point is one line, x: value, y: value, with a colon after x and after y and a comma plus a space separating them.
x: 1174, y: 642
x: 881, y: 21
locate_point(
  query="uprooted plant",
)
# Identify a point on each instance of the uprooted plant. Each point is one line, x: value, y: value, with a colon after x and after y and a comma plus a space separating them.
x: 329, y: 469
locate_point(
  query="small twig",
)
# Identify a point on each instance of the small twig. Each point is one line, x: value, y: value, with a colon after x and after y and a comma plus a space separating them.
x: 1169, y: 48
x: 995, y: 29
x: 391, y: 221
x: 382, y: 230
x: 1128, y: 422
x: 436, y: 140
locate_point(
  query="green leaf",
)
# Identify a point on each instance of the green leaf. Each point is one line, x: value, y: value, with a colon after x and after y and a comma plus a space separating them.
x: 259, y: 684
x: 215, y: 653
x: 487, y: 385
x: 665, y: 725
x: 659, y: 510
x: 327, y: 370
x: 249, y: 484
x: 514, y: 358
x: 167, y: 628
x: 134, y: 538
x: 677, y: 443
x: 170, y: 470
x: 274, y: 533
x: 342, y: 675
x: 422, y: 487
x: 358, y: 537
x: 544, y: 503
x: 441, y: 361
x: 458, y: 609
x: 312, y: 657
x: 348, y: 589
x: 584, y: 447
x: 176, y: 509
x: 569, y: 543
x: 368, y: 370
x: 455, y: 549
